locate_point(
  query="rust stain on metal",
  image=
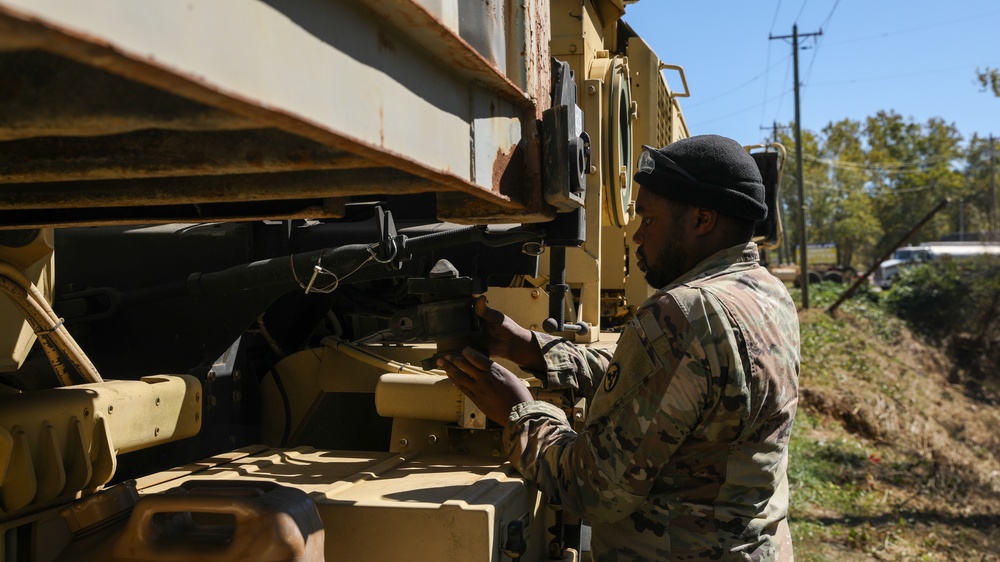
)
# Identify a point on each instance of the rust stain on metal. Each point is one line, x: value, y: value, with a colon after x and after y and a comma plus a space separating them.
x: 538, y: 42
x: 255, y: 158
x: 385, y: 43
x: 419, y: 23
x: 299, y: 157
x: 335, y: 207
x: 310, y: 209
x: 97, y: 52
x: 159, y: 153
x: 531, y: 185
x: 267, y: 186
x: 460, y: 208
x: 517, y: 173
x: 502, y: 167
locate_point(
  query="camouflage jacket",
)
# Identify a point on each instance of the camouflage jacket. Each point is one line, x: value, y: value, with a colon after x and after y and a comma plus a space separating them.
x: 685, y: 449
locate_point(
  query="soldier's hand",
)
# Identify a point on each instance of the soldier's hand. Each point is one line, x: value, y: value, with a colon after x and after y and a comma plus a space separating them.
x: 505, y: 338
x: 492, y: 387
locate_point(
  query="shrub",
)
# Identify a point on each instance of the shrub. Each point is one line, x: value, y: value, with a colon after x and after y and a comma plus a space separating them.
x: 949, y: 296
x: 957, y: 303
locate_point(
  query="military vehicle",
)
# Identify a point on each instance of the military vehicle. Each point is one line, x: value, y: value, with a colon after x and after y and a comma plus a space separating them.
x: 232, y: 235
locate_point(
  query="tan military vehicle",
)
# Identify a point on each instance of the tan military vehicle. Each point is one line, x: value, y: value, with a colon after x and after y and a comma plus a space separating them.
x: 233, y: 233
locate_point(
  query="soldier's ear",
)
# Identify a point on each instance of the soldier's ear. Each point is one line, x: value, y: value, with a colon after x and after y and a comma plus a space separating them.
x: 705, y: 220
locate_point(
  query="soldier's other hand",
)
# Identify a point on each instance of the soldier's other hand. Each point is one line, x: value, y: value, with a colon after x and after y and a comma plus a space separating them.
x: 492, y: 387
x: 505, y: 338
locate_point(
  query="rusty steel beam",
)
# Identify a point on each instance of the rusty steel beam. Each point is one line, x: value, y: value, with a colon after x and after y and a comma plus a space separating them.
x: 355, y: 82
x: 327, y: 208
x: 46, y: 95
x: 209, y: 189
x: 461, y: 208
x: 159, y: 153
x: 444, y: 42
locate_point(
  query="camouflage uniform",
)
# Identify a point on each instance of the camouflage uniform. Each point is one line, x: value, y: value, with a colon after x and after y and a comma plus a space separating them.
x: 685, y: 451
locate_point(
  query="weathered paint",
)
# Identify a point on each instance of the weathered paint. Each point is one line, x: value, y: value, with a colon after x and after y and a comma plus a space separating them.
x: 211, y: 189
x: 45, y: 95
x: 325, y: 208
x: 383, y: 80
x: 157, y: 153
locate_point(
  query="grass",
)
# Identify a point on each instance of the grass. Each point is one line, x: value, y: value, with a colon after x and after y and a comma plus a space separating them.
x: 888, y: 460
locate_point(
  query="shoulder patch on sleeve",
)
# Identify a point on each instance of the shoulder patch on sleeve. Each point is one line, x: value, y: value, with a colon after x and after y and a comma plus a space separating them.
x: 630, y: 366
x: 611, y: 377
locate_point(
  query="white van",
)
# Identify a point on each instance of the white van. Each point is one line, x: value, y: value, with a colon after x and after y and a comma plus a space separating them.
x: 928, y: 252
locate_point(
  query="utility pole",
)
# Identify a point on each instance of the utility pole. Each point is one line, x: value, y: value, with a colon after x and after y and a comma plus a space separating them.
x: 803, y: 261
x: 774, y: 130
x: 864, y: 276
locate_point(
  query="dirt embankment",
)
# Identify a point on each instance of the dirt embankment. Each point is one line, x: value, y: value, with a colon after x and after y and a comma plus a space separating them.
x: 923, y: 482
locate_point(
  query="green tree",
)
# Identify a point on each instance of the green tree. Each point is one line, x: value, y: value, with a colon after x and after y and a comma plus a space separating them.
x: 911, y: 167
x: 867, y: 183
x: 978, y: 199
x: 855, y: 227
x: 814, y: 190
x: 990, y: 80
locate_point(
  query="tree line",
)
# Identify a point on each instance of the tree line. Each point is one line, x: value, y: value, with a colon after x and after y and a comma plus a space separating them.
x: 867, y: 183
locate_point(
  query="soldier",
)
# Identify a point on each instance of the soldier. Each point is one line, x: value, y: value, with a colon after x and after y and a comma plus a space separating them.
x: 685, y: 449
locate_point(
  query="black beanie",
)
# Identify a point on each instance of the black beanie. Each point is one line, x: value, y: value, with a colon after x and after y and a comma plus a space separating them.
x: 706, y: 171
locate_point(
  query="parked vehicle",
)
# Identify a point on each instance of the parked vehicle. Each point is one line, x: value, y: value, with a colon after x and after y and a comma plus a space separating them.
x: 929, y: 252
x: 823, y: 266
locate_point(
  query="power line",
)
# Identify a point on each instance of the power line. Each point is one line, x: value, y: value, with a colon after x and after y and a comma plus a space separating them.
x: 899, y: 167
x: 835, y: 187
x: 738, y: 111
x: 808, y: 71
x: 787, y: 70
x: 913, y: 189
x: 811, y: 61
x: 767, y: 73
x: 774, y: 130
x: 803, y: 260
x: 830, y: 15
x: 735, y: 88
x: 825, y: 186
x: 912, y: 29
x: 819, y: 41
x: 802, y: 9
x: 781, y: 99
x: 896, y: 76
x: 775, y: 18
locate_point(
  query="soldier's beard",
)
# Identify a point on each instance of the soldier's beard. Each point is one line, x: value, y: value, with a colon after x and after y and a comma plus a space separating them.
x: 670, y: 264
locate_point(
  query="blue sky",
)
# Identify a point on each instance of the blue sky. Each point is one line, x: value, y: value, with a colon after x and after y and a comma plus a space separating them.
x: 916, y: 57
